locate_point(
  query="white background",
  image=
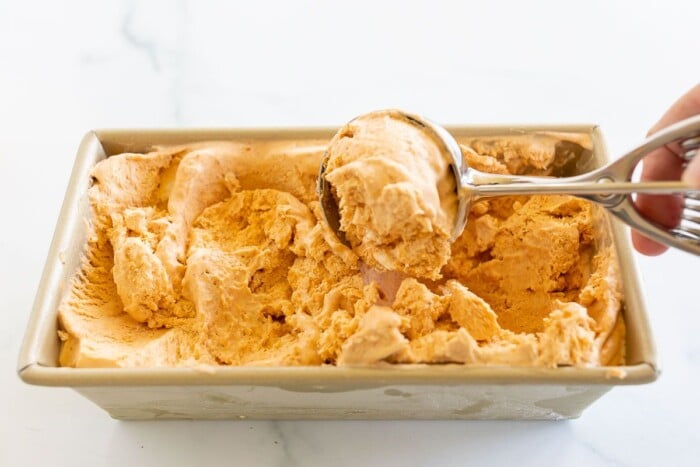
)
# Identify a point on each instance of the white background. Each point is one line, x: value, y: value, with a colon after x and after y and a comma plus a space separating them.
x: 67, y: 67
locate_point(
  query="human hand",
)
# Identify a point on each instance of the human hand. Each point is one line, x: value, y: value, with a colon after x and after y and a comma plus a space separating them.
x: 664, y: 163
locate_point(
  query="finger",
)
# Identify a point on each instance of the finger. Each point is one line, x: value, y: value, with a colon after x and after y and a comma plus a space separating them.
x: 662, y: 164
x: 654, y: 165
x: 646, y: 246
x: 665, y: 210
x: 691, y: 176
x: 687, y: 106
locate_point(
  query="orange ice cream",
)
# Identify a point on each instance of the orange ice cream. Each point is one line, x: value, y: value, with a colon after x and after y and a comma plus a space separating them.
x: 396, y: 193
x: 217, y: 254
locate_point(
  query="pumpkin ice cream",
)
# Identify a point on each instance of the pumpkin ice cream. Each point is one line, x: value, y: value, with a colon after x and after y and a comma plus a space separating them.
x: 217, y: 254
x: 396, y: 193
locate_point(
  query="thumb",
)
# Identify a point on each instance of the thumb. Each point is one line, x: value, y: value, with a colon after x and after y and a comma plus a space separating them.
x: 691, y: 176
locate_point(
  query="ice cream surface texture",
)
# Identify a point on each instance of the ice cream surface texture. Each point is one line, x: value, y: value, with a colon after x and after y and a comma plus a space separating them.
x: 217, y: 254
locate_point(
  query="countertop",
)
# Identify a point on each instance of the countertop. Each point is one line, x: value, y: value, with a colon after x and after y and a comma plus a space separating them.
x: 67, y: 67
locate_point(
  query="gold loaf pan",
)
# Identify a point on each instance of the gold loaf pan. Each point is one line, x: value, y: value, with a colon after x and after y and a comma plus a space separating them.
x: 385, y: 392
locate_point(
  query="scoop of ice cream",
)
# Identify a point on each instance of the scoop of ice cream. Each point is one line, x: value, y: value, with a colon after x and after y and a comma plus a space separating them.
x: 395, y: 193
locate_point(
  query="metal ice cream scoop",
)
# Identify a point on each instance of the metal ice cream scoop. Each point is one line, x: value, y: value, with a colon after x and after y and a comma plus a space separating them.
x: 609, y: 186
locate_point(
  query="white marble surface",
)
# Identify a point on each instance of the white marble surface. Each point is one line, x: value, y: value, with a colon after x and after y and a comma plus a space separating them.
x: 66, y: 67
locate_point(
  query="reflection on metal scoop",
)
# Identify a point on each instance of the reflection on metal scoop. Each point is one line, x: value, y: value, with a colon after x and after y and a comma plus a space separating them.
x: 329, y: 203
x: 609, y: 186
